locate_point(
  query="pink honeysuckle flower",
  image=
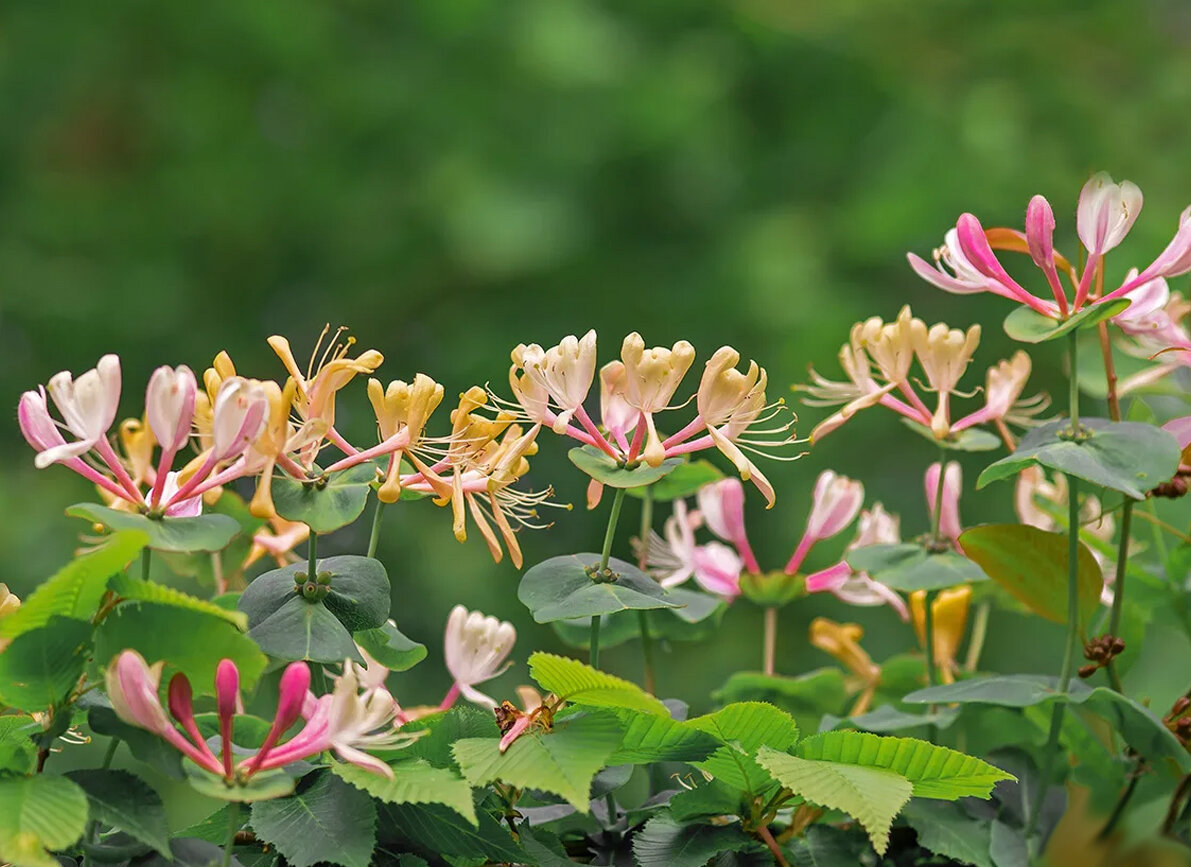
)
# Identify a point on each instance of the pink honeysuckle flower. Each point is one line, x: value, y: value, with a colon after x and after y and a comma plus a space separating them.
x: 722, y: 506
x: 169, y: 412
x: 835, y: 504
x: 476, y: 647
x: 875, y: 527
x: 1040, y: 231
x: 88, y: 406
x: 677, y: 558
x: 562, y: 374
x: 949, y: 523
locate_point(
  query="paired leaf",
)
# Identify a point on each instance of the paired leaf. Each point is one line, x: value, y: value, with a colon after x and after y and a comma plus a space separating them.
x: 125, y: 801
x: 326, y: 821
x: 872, y: 796
x: 601, y: 467
x: 936, y: 772
x: 327, y: 505
x: 972, y: 439
x: 76, y: 589
x: 1032, y: 565
x: 1027, y: 326
x: 180, y: 535
x: 909, y: 567
x: 581, y: 684
x: 562, y: 588
x: 684, y: 480
x: 415, y: 781
x: 37, y: 814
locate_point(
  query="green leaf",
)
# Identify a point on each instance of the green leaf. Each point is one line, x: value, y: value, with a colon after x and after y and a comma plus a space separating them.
x: 191, y: 642
x: 18, y: 753
x: 581, y: 684
x: 698, y: 619
x: 125, y: 801
x: 970, y: 440
x: 947, y: 830
x: 263, y: 786
x: 909, y: 567
x: 562, y: 588
x: 563, y: 761
x: 128, y: 587
x: 751, y: 724
x: 827, y: 846
x: 666, y: 842
x: 201, y: 533
x: 415, y: 781
x: 325, y: 821
x: 936, y: 772
x: 440, y: 832
x: 1007, y: 690
x: 706, y: 798
x: 301, y: 629
x: 76, y: 589
x: 684, y: 480
x: 601, y: 467
x: 146, y: 746
x: 461, y: 721
x: 42, y: 665
x: 39, y: 813
x: 544, y: 848
x: 213, y: 829
x: 1027, y: 326
x: 872, y: 796
x: 1031, y: 564
x: 807, y: 697
x: 390, y: 648
x: 1124, y: 456
x: 327, y: 505
x: 651, y: 738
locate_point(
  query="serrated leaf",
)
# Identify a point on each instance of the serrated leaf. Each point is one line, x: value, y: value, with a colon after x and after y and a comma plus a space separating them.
x: 325, y: 821
x: 651, y: 738
x: 872, y: 796
x: 827, y: 846
x: 439, y: 831
x: 126, y: 802
x: 184, y: 638
x: 415, y: 781
x: 665, y: 842
x: 461, y: 721
x: 42, y: 665
x: 544, y: 848
x: 39, y: 813
x: 178, y: 535
x: 947, y: 830
x: 751, y: 724
x: 577, y: 683
x: 936, y: 772
x: 563, y: 761
x: 806, y: 697
x: 213, y: 828
x: 18, y: 753
x: 76, y: 589
x: 129, y: 587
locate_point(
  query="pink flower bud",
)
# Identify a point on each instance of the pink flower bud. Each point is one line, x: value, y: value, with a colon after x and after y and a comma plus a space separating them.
x: 132, y: 688
x: 1106, y: 213
x: 169, y: 405
x: 722, y: 505
x: 717, y: 570
x: 837, y: 501
x: 295, y: 682
x: 37, y: 427
x: 949, y: 523
x: 1040, y: 231
x: 227, y: 688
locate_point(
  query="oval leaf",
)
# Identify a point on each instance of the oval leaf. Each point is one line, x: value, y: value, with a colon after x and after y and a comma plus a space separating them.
x: 601, y: 467
x: 684, y: 480
x: 561, y: 588
x: 325, y: 507
x: 178, y: 535
x: 970, y: 440
x: 1026, y: 326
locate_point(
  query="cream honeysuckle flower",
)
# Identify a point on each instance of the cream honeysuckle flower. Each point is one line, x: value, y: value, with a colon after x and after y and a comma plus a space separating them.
x: 944, y: 354
x: 476, y: 648
x: 1106, y: 212
x: 890, y: 345
x: 618, y: 417
x: 564, y: 373
x: 651, y: 378
x: 169, y: 414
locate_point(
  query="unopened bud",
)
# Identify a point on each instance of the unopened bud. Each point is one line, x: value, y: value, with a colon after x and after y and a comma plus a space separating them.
x: 324, y: 578
x: 1088, y: 670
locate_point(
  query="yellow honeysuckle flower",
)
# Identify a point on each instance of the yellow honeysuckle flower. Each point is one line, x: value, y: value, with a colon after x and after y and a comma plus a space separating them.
x: 944, y: 354
x: 842, y: 641
x: 402, y: 407
x: 651, y: 378
x: 950, y: 611
x: 325, y: 375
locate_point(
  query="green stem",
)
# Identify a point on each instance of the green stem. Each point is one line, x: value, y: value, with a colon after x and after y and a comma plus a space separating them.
x: 374, y: 536
x: 146, y: 555
x: 594, y: 641
x: 1118, y: 587
x: 601, y: 571
x: 979, y: 633
x: 642, y: 562
x: 1122, y: 802
x: 769, y: 653
x: 312, y: 556
x: 938, y: 516
x: 233, y: 825
x: 93, y: 825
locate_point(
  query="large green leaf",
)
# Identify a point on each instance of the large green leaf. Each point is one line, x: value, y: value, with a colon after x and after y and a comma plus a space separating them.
x: 39, y: 813
x: 1007, y: 690
x: 125, y: 801
x: 577, y: 683
x: 328, y: 504
x: 191, y: 642
x: 563, y: 761
x: 1027, y: 326
x: 651, y: 738
x: 76, y: 589
x: 325, y: 821
x: 18, y: 753
x: 359, y: 593
x: 872, y: 796
x: 936, y: 772
x: 909, y: 567
x: 42, y: 665
x: 415, y: 781
x: 128, y: 587
x: 180, y: 535
x: 827, y: 846
x: 302, y: 629
x: 439, y: 831
x: 666, y: 842
x: 684, y: 480
x: 562, y: 588
x: 1124, y: 456
x: 388, y: 646
x: 743, y: 728
x: 1031, y: 564
x: 601, y: 467
x: 698, y: 619
x: 947, y: 830
x: 443, y: 729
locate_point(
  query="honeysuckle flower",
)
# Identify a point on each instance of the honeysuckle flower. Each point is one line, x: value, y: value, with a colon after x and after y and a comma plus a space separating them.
x: 949, y: 523
x: 874, y: 527
x: 677, y: 558
x: 562, y: 374
x: 9, y: 603
x: 169, y: 413
x: 842, y: 641
x: 277, y: 539
x: 617, y: 416
x: 475, y: 647
x: 88, y: 406
x: 944, y: 354
x: 950, y: 613
x: 651, y: 377
x: 835, y: 504
x: 1106, y: 212
x: 722, y: 506
x: 1004, y: 383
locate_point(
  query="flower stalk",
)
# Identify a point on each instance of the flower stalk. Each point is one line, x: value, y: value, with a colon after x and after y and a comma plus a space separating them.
x: 642, y: 562
x: 602, y: 571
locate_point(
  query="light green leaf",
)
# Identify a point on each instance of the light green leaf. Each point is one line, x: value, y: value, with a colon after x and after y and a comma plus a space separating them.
x: 129, y: 587
x: 39, y: 813
x: 76, y: 589
x: 972, y: 439
x: 750, y: 724
x: 125, y: 801
x: 936, y: 772
x: 651, y: 738
x: 563, y: 761
x: 1028, y: 326
x: 683, y: 481
x: 600, y: 466
x: 581, y: 684
x: 415, y: 781
x: 179, y: 535
x: 872, y: 796
x: 325, y: 821
x: 666, y: 842
x: 44, y: 664
x: 18, y: 753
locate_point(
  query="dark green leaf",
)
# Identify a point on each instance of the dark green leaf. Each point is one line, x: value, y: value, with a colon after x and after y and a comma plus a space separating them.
x: 561, y: 588
x: 301, y: 629
x: 665, y: 842
x: 390, y: 648
x: 325, y: 506
x: 602, y: 468
x: 325, y: 821
x: 42, y: 665
x: 439, y: 832
x: 201, y: 533
x: 909, y: 567
x: 125, y: 801
x: 415, y: 781
x: 263, y: 786
x: 947, y: 830
x: 146, y: 746
x: 1027, y: 326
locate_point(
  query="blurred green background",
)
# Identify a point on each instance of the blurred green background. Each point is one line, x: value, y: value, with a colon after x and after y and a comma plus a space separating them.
x: 452, y: 178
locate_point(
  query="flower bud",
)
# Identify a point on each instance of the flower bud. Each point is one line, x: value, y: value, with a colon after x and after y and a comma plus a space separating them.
x: 837, y: 500
x: 169, y: 405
